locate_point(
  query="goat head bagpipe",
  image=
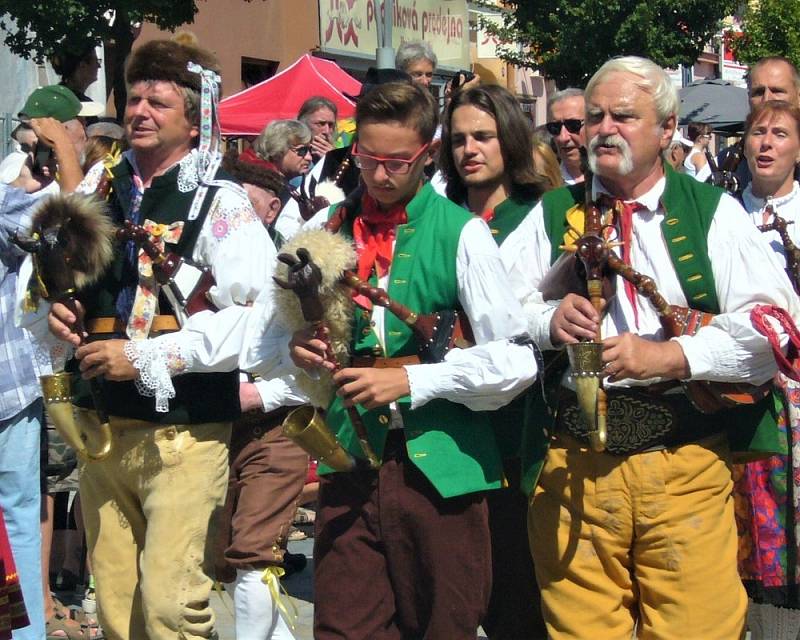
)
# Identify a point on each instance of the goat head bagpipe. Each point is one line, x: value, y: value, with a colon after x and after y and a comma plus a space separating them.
x: 71, y: 245
x: 316, y: 284
x: 588, y: 246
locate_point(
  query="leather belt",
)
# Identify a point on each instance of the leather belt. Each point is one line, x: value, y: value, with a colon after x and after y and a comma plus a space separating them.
x: 640, y: 421
x: 254, y: 424
x: 115, y: 325
x: 383, y: 363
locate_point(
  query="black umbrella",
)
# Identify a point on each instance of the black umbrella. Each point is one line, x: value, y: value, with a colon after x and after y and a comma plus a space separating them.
x: 716, y: 102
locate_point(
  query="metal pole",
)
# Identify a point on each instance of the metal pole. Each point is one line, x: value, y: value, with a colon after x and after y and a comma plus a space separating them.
x: 384, y: 55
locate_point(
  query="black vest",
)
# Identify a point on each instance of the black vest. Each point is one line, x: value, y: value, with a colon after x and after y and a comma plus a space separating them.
x: 199, y: 397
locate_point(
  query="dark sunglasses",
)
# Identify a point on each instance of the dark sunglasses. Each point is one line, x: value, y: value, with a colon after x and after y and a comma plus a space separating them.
x: 303, y: 150
x: 573, y: 125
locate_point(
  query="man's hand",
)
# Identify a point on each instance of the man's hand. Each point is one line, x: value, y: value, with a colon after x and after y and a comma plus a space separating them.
x: 574, y: 320
x: 631, y: 356
x: 249, y: 398
x: 106, y: 358
x: 371, y: 388
x: 308, y: 352
x: 61, y: 321
x: 50, y: 131
x: 320, y: 145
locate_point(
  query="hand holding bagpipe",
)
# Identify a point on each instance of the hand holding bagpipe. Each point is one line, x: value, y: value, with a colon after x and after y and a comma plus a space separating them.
x: 70, y: 243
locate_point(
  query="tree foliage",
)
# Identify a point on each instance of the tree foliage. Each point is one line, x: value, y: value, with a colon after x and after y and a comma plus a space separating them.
x: 569, y: 39
x: 38, y: 28
x: 769, y: 28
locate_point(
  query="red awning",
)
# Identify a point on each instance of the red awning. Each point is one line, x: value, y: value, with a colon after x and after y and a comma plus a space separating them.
x: 246, y: 113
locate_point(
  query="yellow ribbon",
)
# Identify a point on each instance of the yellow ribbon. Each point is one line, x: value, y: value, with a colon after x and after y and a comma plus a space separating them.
x: 146, y: 299
x: 286, y: 607
x: 112, y: 158
x: 576, y: 217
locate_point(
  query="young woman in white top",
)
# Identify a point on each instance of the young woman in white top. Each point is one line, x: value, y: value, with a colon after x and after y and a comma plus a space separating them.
x: 696, y: 164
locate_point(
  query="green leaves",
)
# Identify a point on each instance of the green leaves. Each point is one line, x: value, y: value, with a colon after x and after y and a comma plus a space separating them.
x: 770, y: 28
x: 568, y: 40
x: 38, y: 28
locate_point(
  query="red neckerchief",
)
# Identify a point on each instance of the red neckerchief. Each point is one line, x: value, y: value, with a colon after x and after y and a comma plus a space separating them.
x: 487, y: 216
x: 374, y: 233
x: 626, y: 211
x: 623, y: 212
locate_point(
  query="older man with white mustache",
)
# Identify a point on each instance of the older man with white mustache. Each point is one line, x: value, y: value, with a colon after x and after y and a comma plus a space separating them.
x: 640, y: 537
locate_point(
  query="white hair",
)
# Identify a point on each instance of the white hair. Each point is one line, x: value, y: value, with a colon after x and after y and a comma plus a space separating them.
x: 654, y: 80
x: 410, y: 52
x: 558, y: 96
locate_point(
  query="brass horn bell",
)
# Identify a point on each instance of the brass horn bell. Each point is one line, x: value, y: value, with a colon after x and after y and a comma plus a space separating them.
x: 306, y: 428
x: 586, y: 361
x: 57, y: 394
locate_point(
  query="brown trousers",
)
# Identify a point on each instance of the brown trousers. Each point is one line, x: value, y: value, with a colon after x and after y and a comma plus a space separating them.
x: 267, y: 475
x: 393, y: 560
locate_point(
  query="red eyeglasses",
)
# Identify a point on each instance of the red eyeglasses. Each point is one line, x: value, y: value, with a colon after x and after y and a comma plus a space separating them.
x: 397, y: 166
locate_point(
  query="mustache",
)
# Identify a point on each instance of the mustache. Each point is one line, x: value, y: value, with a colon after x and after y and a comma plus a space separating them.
x: 613, y: 140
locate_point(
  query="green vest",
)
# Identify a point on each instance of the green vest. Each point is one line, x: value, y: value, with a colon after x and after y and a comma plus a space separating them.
x: 199, y: 397
x: 689, y: 208
x: 453, y: 446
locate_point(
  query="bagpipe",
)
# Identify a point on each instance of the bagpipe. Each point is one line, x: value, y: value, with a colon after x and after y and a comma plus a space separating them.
x: 725, y: 175
x: 71, y: 245
x: 316, y: 282
x: 598, y: 262
x: 790, y: 250
x: 185, y: 284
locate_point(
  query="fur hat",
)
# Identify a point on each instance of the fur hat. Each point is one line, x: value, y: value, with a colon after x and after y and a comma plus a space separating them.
x: 167, y: 60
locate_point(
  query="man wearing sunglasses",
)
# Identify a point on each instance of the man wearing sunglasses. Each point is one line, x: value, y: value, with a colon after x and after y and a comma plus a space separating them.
x: 565, y: 123
x: 411, y: 539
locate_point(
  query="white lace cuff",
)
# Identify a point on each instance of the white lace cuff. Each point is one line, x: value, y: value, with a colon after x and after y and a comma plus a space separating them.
x: 156, y: 362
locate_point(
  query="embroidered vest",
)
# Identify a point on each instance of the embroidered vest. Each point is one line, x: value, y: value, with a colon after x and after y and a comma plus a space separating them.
x: 453, y: 446
x: 206, y: 397
x: 689, y: 208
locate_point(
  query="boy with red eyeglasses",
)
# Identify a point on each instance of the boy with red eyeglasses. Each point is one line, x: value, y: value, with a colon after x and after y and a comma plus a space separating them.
x: 404, y: 551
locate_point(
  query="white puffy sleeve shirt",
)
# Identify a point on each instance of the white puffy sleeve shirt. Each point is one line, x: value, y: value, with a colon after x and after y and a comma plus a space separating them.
x: 746, y: 273
x: 483, y: 377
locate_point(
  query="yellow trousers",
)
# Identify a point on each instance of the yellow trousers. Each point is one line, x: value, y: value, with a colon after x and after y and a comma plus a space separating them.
x: 148, y: 510
x: 645, y: 542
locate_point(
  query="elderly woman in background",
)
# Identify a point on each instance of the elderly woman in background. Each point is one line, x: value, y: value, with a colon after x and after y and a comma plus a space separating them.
x: 766, y: 491
x: 286, y: 145
x: 418, y: 60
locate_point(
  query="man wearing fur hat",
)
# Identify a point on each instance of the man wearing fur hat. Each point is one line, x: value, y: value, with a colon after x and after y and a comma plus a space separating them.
x: 148, y: 506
